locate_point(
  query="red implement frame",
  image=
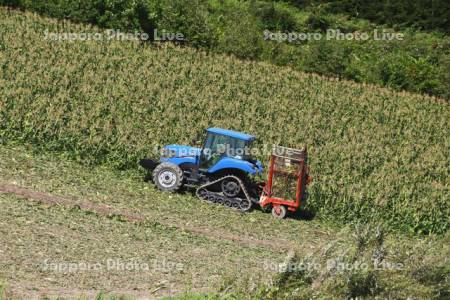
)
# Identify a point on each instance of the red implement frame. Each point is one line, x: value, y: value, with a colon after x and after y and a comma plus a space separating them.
x: 279, y: 160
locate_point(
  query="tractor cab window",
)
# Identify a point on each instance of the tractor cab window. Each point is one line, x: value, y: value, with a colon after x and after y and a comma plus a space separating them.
x: 211, y: 150
x: 239, y: 149
x: 218, y: 146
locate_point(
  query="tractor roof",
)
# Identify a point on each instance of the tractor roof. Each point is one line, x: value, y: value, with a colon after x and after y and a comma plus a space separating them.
x: 231, y: 133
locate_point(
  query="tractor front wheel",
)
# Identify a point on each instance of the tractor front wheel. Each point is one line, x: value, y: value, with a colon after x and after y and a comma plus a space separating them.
x: 168, y: 177
x: 279, y: 211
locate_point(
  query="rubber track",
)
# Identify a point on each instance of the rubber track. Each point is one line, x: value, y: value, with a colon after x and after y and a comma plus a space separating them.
x: 204, y: 186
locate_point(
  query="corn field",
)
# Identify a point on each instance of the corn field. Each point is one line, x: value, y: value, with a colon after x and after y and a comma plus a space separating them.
x: 375, y: 154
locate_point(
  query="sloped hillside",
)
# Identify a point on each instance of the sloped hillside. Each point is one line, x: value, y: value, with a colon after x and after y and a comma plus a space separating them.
x: 375, y: 154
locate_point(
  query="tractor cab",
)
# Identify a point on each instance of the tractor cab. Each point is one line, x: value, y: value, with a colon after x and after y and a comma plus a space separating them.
x: 222, y: 151
x: 227, y: 149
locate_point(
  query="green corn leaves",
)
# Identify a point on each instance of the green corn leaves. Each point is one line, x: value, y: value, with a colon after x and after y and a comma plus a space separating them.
x: 374, y: 153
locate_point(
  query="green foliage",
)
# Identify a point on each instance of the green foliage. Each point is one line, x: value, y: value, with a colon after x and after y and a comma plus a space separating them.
x: 80, y: 11
x: 423, y: 14
x: 244, y: 43
x: 11, y: 3
x: 237, y: 28
x: 273, y: 17
x: 375, y: 154
x: 380, y: 268
x: 2, y: 290
x: 189, y: 17
x: 317, y: 21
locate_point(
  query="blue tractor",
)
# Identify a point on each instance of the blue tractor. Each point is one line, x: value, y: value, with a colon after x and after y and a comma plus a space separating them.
x: 221, y: 171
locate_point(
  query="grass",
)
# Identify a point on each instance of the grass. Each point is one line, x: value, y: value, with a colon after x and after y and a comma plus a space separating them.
x: 365, y: 263
x: 92, y: 253
x: 2, y: 290
x: 127, y: 191
x: 34, y: 232
x: 374, y: 153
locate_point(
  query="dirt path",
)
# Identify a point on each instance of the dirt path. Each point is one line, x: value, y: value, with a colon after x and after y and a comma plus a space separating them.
x: 105, y: 210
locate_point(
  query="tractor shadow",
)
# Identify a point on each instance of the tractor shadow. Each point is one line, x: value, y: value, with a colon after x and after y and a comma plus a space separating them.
x: 302, y: 214
x: 148, y: 177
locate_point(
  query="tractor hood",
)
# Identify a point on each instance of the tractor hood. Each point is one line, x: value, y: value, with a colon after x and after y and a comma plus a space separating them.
x: 180, y: 151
